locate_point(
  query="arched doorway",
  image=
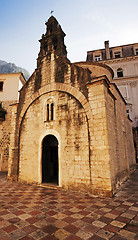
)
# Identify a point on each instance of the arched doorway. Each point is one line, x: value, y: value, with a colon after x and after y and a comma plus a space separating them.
x: 50, y: 159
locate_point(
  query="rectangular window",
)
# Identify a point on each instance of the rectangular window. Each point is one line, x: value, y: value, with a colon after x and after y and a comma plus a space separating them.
x: 117, y: 55
x: 137, y: 51
x: 1, y: 86
x: 97, y: 58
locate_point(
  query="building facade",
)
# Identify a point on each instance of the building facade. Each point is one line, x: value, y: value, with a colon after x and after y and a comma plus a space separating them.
x: 124, y: 62
x: 70, y: 126
x: 10, y: 84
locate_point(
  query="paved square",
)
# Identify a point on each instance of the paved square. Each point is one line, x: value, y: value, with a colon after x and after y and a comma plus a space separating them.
x: 29, y: 212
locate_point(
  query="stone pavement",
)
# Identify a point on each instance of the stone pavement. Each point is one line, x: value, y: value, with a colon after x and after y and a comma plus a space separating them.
x: 29, y: 212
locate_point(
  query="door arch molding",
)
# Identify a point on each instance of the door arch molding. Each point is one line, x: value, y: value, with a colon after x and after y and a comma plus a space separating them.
x: 57, y: 136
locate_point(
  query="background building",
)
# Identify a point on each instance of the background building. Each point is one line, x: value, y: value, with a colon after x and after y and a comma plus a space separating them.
x: 124, y: 62
x: 10, y: 84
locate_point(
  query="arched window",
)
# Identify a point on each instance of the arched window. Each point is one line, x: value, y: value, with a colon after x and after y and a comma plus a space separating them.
x: 47, y: 117
x: 49, y: 110
x: 119, y: 72
x: 52, y: 111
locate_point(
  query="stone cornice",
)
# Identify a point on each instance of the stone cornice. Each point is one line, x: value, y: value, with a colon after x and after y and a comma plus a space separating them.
x: 121, y: 59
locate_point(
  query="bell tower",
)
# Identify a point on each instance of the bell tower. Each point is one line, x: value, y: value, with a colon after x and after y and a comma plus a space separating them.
x: 52, y: 54
x: 53, y: 40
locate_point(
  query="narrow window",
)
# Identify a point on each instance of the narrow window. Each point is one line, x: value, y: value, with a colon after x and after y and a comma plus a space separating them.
x: 1, y: 86
x: 117, y: 55
x: 52, y: 111
x: 137, y: 51
x: 119, y: 72
x: 97, y: 58
x: 47, y: 112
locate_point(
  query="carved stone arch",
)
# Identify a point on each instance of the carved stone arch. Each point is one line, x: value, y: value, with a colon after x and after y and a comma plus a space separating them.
x: 43, y: 135
x: 62, y: 87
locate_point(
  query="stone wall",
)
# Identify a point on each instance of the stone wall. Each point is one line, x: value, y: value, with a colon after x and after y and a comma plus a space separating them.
x: 5, y: 128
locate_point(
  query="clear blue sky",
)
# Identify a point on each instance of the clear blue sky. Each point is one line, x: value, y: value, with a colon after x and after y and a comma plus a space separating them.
x: 87, y: 24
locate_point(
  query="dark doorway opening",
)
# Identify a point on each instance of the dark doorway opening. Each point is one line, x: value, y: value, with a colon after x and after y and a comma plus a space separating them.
x: 50, y: 160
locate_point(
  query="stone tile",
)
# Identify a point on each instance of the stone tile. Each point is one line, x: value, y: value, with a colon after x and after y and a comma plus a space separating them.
x: 105, y: 219
x: 27, y: 238
x: 131, y: 228
x: 75, y: 210
x: 69, y: 219
x: 94, y: 216
x: 41, y: 223
x: 73, y: 237
x: 21, y: 224
x: 111, y: 228
x: 99, y: 224
x: 117, y: 237
x: 80, y: 224
x: 61, y: 234
x: 19, y: 212
x: 123, y: 219
x: 127, y: 215
x: 8, y: 216
x: 87, y: 219
x: 128, y: 203
x: 84, y: 235
x: 96, y: 237
x: 10, y: 228
x: 50, y: 219
x: 71, y: 228
x: 38, y: 234
x: 50, y: 229
x: 126, y: 234
x: 17, y: 234
x: 29, y: 229
x: 110, y: 215
x: 133, y: 208
x: 60, y: 224
x: 14, y: 220
x: 83, y: 212
x: 91, y: 228
x: 60, y: 216
x: 77, y: 216
x: 4, y: 224
x: 49, y: 238
x: 118, y: 224
x: 32, y: 220
x: 105, y: 234
x: 24, y: 216
x: 35, y: 212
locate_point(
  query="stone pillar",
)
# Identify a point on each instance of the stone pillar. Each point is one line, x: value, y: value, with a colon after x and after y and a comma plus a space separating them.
x: 13, y: 150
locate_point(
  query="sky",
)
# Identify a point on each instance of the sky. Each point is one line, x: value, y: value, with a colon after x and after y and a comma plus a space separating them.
x: 87, y: 24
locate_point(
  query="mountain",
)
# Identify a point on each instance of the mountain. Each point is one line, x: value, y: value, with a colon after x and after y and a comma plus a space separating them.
x: 12, y: 68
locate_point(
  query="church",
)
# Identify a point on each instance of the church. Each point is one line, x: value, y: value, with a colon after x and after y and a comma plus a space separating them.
x: 70, y: 127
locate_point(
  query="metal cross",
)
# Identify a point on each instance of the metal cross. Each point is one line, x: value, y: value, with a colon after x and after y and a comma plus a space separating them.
x: 51, y: 12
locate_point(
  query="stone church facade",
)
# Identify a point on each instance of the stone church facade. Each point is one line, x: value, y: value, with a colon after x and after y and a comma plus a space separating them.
x: 70, y: 126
